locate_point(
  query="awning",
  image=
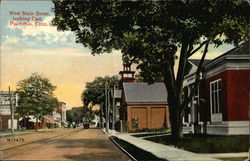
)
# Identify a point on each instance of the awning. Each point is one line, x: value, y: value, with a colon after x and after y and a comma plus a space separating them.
x: 33, y: 119
x: 50, y: 121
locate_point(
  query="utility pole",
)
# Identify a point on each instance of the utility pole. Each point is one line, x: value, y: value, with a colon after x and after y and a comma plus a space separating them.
x: 114, y: 112
x: 11, y: 111
x: 101, y: 121
x: 108, y: 100
x: 106, y: 107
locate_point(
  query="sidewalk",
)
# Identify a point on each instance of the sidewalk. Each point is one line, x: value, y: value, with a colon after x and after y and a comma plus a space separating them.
x: 163, y: 151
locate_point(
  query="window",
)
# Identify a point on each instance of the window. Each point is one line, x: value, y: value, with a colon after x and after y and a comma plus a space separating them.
x: 215, y: 96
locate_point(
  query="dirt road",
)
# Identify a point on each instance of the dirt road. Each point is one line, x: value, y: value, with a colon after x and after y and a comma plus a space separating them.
x: 64, y: 144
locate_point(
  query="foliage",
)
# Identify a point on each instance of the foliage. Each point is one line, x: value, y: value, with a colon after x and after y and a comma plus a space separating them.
x: 207, y: 143
x: 80, y: 114
x: 76, y: 114
x: 94, y: 92
x: 36, y: 96
x: 163, y: 129
x: 70, y: 116
x: 150, y: 32
x: 88, y: 116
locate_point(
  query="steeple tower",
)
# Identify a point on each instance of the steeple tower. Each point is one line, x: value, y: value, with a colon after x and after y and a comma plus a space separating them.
x: 127, y: 75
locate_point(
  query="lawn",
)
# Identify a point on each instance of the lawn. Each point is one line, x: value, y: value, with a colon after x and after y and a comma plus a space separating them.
x: 207, y: 143
x: 22, y: 132
x: 234, y: 159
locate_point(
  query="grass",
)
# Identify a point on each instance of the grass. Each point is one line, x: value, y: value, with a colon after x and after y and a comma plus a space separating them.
x: 207, y: 143
x: 163, y: 129
x: 22, y: 132
x: 234, y: 159
x: 150, y: 134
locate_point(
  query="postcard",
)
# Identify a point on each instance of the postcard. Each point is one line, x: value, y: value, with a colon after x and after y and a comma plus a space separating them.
x: 124, y: 80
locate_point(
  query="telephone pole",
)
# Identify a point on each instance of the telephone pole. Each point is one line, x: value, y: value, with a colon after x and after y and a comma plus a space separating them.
x: 11, y: 111
x: 106, y: 107
x: 114, y: 112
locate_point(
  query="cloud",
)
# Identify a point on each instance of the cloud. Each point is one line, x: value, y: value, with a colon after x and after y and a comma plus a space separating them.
x: 11, y: 40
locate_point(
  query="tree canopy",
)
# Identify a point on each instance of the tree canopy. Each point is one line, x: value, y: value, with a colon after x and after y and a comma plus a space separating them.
x: 94, y: 92
x: 80, y: 114
x: 150, y: 32
x: 36, y: 96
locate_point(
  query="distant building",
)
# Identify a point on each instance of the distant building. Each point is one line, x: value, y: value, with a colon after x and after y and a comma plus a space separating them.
x: 5, y: 110
x: 221, y: 103
x: 59, y: 114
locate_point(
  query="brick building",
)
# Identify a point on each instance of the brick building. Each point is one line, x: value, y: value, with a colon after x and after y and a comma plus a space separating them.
x: 143, y: 106
x: 222, y: 100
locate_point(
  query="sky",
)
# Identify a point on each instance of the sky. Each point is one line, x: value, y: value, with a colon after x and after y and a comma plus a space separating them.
x: 42, y: 49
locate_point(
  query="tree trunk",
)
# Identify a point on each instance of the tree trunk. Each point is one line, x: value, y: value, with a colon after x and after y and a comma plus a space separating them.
x: 176, y: 121
x: 36, y: 124
x: 25, y: 123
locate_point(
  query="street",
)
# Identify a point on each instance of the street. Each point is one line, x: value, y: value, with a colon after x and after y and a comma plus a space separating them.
x: 62, y: 144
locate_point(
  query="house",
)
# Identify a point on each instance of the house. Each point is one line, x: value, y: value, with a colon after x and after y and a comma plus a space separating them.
x: 59, y: 115
x: 221, y: 103
x: 29, y: 123
x: 62, y: 109
x: 143, y: 106
x: 5, y: 110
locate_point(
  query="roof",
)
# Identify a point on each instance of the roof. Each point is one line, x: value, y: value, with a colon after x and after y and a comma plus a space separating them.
x: 196, y: 62
x: 50, y: 120
x: 241, y: 52
x: 141, y: 92
x: 242, y: 49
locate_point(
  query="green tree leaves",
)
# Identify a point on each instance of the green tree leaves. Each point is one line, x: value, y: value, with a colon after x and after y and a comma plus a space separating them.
x: 36, y: 96
x: 95, y: 91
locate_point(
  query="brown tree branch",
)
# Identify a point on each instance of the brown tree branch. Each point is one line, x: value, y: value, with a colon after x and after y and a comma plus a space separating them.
x: 188, y: 99
x: 182, y: 66
x: 198, y: 48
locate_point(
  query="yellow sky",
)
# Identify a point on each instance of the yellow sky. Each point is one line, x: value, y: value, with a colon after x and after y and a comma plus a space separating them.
x: 69, y: 71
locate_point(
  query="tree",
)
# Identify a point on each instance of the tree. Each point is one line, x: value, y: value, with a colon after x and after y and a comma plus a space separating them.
x: 77, y: 114
x: 36, y: 97
x: 94, y: 93
x: 150, y: 32
x: 88, y: 116
x: 80, y: 114
x: 70, y: 116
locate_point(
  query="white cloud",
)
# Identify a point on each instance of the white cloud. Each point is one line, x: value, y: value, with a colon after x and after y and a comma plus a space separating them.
x: 11, y: 40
